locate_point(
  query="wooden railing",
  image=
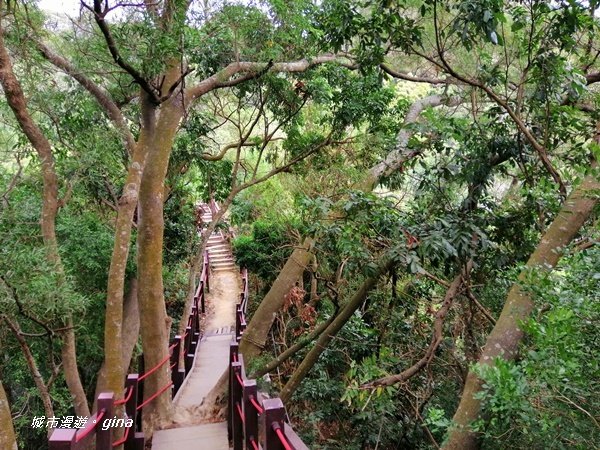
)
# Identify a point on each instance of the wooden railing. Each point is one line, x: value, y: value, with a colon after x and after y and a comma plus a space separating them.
x: 249, y: 412
x: 133, y: 398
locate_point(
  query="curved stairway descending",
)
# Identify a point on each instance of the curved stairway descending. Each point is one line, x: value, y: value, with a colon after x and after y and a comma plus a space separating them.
x: 188, y: 430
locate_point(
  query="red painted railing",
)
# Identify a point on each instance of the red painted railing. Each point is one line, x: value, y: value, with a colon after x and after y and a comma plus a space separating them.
x: 247, y: 407
x: 133, y: 397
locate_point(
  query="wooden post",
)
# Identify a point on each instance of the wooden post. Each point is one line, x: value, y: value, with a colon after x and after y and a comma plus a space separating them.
x: 62, y: 439
x: 188, y: 358
x: 195, y: 328
x: 104, y: 436
x: 251, y: 425
x: 272, y: 418
x: 233, y: 352
x: 237, y: 427
x: 201, y: 295
x: 131, y: 411
x: 175, y: 374
x: 238, y: 320
x: 206, y: 269
x: 242, y: 320
x: 140, y: 392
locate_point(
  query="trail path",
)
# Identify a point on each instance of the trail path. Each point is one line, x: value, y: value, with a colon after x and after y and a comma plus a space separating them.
x: 190, y: 430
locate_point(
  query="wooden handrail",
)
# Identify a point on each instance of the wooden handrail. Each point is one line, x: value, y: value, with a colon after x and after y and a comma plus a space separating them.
x: 246, y: 407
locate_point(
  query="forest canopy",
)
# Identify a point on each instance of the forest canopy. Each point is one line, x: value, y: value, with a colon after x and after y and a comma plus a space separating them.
x: 411, y: 184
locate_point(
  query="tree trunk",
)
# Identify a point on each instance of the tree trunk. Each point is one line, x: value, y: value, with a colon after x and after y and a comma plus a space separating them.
x: 254, y: 338
x: 130, y: 331
x: 325, y: 338
x: 8, y: 439
x: 154, y: 323
x: 17, y: 102
x: 69, y: 360
x: 503, y: 341
x: 113, y: 366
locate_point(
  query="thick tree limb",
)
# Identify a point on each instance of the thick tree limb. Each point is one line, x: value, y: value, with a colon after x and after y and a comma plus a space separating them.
x: 397, y: 157
x: 415, y: 78
x: 38, y: 379
x: 504, y: 339
x: 250, y: 70
x: 593, y: 77
x: 332, y: 329
x: 288, y: 353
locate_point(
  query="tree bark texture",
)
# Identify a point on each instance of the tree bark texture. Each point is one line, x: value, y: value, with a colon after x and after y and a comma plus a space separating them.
x: 130, y: 332
x: 154, y: 323
x: 504, y: 339
x: 113, y: 358
x: 254, y: 338
x: 8, y: 440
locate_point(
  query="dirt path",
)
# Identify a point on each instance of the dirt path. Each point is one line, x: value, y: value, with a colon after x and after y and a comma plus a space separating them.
x: 212, y: 354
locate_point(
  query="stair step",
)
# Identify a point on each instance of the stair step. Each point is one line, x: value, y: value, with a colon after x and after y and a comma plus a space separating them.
x: 219, y: 251
x: 223, y: 268
x: 222, y: 262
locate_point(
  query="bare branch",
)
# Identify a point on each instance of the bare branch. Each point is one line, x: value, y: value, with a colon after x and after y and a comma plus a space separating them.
x: 102, y: 97
x: 99, y: 17
x: 250, y: 70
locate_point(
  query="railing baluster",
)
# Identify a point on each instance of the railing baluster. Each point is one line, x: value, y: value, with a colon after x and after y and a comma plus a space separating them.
x: 62, y: 439
x: 233, y: 352
x: 274, y: 414
x: 175, y: 373
x: 237, y: 401
x: 140, y: 391
x: 251, y: 425
x: 131, y: 443
x: 104, y: 436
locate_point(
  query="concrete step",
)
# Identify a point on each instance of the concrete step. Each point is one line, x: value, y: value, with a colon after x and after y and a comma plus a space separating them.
x: 220, y: 245
x: 225, y: 269
x: 224, y: 248
x: 222, y: 264
x: 220, y: 256
x: 211, y: 436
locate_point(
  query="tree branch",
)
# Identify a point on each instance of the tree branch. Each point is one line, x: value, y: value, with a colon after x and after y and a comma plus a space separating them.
x: 250, y: 70
x: 452, y: 292
x: 99, y: 17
